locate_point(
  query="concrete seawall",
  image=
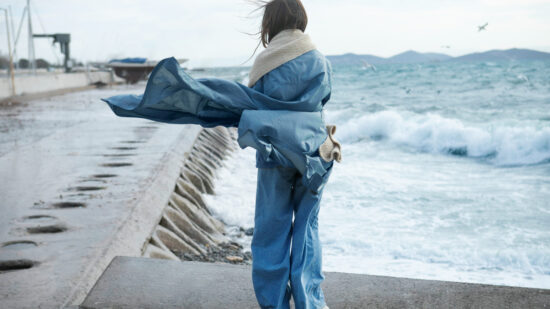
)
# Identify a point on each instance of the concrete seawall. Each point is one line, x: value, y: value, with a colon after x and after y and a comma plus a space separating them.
x: 149, y: 283
x: 79, y: 187
x: 44, y: 82
x: 187, y: 225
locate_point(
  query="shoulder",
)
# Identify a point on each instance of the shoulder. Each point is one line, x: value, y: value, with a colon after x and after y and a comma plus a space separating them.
x: 297, y: 77
x: 312, y: 60
x: 301, y: 69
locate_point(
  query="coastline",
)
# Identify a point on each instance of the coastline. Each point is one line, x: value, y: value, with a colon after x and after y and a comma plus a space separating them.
x: 128, y: 188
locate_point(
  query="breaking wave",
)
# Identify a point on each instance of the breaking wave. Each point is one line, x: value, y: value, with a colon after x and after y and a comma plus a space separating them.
x: 435, y: 134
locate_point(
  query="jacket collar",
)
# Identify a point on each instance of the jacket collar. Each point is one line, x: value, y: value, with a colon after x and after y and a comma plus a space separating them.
x: 285, y: 46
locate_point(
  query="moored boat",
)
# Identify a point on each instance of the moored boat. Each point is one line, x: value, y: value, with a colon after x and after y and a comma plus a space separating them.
x: 134, y: 69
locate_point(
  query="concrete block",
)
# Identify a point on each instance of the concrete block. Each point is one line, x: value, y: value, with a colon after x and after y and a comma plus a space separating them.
x: 149, y: 283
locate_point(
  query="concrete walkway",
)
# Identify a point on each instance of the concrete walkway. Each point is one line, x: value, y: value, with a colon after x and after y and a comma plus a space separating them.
x: 150, y: 283
x: 79, y: 186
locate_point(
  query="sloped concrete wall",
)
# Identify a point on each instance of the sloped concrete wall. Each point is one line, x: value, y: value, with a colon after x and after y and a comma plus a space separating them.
x: 186, y: 225
x: 46, y: 82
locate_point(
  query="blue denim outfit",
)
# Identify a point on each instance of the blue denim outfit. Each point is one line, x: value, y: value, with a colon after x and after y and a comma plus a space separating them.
x: 281, y: 117
x: 283, y: 250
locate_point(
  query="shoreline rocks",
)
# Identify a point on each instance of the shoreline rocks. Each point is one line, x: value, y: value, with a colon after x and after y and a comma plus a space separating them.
x: 229, y: 252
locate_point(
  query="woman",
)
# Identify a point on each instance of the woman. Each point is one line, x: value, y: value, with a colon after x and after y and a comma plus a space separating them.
x: 280, y: 115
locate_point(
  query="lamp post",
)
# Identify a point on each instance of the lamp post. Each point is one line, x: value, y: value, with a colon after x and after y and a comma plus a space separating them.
x: 32, y: 60
x: 10, y: 52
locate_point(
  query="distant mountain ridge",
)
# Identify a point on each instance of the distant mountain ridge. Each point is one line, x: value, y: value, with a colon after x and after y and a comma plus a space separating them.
x: 509, y: 54
x: 412, y: 56
x: 350, y: 58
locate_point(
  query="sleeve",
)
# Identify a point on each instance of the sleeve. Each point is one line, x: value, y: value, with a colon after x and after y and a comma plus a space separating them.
x: 172, y: 96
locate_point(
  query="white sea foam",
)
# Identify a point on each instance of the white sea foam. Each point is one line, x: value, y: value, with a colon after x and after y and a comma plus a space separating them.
x: 500, y: 145
x: 396, y: 214
x: 235, y: 192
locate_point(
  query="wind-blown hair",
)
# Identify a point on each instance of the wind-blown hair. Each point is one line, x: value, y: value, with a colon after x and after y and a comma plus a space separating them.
x: 278, y: 15
x: 281, y: 15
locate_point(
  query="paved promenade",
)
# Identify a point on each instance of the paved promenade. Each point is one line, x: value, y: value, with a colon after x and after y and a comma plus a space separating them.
x: 79, y: 186
x: 150, y: 283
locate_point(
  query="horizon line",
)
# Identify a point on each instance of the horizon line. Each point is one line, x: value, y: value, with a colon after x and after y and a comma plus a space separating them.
x: 441, y: 53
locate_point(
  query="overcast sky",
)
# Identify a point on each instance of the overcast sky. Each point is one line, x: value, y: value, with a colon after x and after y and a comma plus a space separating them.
x: 213, y: 32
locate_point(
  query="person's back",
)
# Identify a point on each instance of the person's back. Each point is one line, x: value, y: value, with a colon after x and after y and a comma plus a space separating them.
x: 300, y: 79
x: 286, y: 254
x: 280, y: 115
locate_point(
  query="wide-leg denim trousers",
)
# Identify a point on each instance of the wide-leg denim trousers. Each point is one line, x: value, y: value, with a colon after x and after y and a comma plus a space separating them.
x: 286, y: 255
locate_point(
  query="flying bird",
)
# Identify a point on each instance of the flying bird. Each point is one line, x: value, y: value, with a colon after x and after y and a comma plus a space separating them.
x: 445, y: 46
x: 367, y: 66
x: 481, y: 28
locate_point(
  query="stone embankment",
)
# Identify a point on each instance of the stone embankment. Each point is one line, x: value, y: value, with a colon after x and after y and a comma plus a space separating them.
x: 187, y: 230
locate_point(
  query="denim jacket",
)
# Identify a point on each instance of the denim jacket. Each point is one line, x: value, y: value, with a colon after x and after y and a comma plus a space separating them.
x: 280, y: 116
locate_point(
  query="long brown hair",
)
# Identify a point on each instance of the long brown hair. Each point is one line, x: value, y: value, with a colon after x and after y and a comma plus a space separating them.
x: 278, y: 15
x: 281, y: 15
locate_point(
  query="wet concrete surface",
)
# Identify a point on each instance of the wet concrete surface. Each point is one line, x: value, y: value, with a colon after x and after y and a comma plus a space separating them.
x: 78, y: 186
x: 149, y: 283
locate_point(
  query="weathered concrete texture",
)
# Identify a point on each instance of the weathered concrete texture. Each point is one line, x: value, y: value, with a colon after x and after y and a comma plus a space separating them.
x: 79, y: 186
x: 151, y: 283
x: 46, y: 82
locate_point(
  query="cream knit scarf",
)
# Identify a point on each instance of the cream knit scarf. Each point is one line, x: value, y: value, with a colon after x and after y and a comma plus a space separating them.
x: 285, y: 46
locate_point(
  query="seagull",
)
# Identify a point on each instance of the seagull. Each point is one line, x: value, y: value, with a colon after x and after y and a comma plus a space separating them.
x: 481, y: 28
x: 367, y: 66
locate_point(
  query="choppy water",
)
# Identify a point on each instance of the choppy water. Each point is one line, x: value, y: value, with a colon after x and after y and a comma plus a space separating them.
x: 446, y: 173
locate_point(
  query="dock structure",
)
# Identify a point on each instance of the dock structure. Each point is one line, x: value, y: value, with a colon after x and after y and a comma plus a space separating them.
x: 130, y: 282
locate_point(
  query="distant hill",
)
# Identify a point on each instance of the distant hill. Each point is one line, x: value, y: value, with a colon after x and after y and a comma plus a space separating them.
x: 355, y: 59
x: 509, y: 54
x: 412, y: 56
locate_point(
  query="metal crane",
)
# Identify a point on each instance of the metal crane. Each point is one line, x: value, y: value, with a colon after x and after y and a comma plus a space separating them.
x: 64, y: 39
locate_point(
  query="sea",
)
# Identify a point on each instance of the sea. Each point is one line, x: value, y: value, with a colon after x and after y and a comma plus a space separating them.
x: 445, y: 172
